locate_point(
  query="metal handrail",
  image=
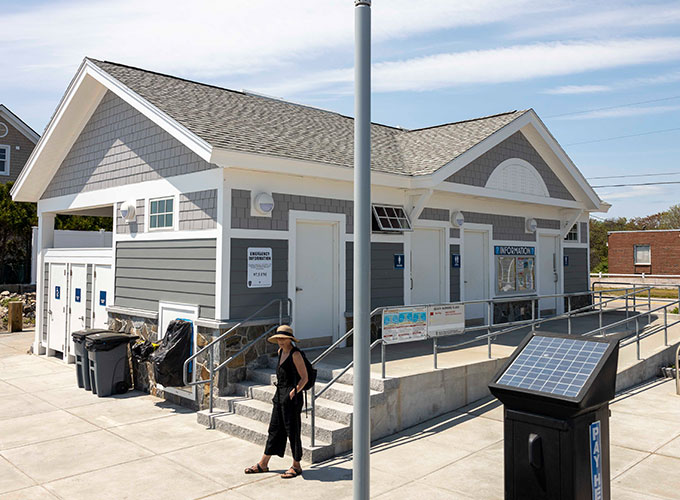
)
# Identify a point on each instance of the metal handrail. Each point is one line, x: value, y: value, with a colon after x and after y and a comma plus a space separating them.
x: 677, y: 370
x: 209, y: 346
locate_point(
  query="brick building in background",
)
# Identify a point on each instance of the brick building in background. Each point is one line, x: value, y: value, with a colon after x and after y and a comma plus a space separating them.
x: 654, y: 252
x: 17, y: 141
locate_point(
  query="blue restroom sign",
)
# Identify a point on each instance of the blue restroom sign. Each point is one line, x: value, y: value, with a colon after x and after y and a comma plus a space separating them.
x: 102, y: 297
x: 399, y: 261
x: 566, y: 260
x: 77, y: 294
x: 57, y: 292
x: 455, y: 260
x: 596, y: 460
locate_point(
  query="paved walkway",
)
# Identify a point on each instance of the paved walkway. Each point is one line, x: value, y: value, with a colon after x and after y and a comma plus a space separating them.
x: 58, y: 441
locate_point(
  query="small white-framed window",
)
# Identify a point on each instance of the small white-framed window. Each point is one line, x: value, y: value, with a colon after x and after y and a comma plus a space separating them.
x: 643, y: 255
x: 390, y: 218
x: 572, y: 235
x: 162, y: 213
x: 4, y: 160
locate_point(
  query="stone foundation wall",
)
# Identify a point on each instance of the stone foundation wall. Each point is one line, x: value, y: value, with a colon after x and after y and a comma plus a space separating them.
x: 225, y: 379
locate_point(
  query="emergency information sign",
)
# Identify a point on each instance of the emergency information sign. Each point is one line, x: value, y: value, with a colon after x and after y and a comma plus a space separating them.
x: 259, y: 267
x: 404, y: 324
x: 445, y: 319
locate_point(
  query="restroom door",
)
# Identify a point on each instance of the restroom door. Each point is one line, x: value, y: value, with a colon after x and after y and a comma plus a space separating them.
x: 476, y: 273
x: 77, y: 299
x: 428, y: 281
x: 548, y: 276
x: 56, y: 326
x: 102, y: 295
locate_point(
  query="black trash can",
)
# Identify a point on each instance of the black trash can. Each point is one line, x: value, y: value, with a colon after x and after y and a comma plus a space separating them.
x: 108, y: 362
x: 82, y: 359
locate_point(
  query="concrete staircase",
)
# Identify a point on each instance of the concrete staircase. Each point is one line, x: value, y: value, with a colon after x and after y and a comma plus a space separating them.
x: 246, y: 414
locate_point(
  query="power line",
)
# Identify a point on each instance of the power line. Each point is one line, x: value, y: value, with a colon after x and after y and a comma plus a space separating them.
x: 633, y: 175
x: 614, y: 107
x: 624, y: 136
x: 638, y: 184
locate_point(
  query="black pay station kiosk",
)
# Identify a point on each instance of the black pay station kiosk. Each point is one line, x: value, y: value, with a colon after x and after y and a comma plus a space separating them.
x: 556, y: 391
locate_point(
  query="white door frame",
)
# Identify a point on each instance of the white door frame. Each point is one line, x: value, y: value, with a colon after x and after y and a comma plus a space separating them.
x: 51, y: 332
x: 191, y: 314
x: 83, y: 298
x: 443, y: 228
x: 490, y: 263
x: 559, y: 264
x: 339, y: 225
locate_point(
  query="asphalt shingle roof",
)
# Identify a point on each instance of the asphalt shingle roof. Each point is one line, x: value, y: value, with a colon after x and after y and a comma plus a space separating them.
x: 250, y: 123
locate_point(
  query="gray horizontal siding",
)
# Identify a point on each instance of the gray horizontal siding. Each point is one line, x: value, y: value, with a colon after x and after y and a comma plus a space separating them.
x: 454, y: 273
x: 180, y: 271
x: 576, y: 273
x: 387, y: 283
x: 244, y: 301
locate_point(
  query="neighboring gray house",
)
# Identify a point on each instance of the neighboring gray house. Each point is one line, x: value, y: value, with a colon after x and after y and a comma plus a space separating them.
x: 224, y: 200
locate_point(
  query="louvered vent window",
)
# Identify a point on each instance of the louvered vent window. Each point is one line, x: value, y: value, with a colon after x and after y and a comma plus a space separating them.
x: 390, y: 218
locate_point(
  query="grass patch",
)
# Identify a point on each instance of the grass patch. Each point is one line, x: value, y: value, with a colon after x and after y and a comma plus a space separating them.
x: 657, y: 293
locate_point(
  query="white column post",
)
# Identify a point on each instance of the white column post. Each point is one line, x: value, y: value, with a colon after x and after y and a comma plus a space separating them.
x: 45, y: 240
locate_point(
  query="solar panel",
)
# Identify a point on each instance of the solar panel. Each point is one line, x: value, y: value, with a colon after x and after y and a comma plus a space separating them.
x: 554, y: 365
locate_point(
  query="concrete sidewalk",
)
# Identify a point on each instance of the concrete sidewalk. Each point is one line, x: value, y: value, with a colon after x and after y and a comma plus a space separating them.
x: 58, y: 441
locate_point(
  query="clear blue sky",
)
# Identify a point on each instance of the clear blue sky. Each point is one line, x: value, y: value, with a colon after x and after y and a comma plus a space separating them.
x: 435, y: 61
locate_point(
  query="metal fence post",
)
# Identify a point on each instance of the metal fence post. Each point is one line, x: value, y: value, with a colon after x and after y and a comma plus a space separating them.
x: 569, y: 314
x: 533, y: 315
x: 637, y: 336
x: 627, y: 314
x: 665, y: 325
x: 382, y: 357
x: 212, y: 376
x: 649, y: 299
x: 634, y: 298
x: 434, y: 351
x: 313, y: 396
x: 488, y: 338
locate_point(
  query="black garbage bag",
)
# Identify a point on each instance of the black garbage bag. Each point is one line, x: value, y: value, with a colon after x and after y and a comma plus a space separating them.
x: 143, y: 349
x: 168, y: 360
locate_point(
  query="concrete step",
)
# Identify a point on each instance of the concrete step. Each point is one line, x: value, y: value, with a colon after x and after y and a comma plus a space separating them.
x: 256, y: 432
x: 326, y: 430
x: 325, y: 408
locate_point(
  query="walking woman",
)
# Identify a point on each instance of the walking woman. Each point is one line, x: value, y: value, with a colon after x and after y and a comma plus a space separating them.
x: 291, y: 377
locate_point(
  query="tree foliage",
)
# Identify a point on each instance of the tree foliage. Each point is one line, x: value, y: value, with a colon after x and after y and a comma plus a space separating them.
x: 668, y: 219
x: 16, y: 220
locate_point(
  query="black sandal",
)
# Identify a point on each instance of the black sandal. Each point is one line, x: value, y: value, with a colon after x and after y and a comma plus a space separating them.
x: 291, y: 473
x: 255, y: 469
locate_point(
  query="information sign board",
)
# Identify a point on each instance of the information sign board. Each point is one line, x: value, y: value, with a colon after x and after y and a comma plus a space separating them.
x: 404, y: 324
x: 259, y: 267
x: 445, y: 319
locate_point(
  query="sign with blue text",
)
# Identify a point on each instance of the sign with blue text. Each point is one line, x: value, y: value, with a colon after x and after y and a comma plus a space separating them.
x: 512, y: 250
x: 566, y: 260
x: 596, y: 460
x: 57, y: 292
x: 102, y: 297
x: 455, y: 260
x: 77, y: 294
x: 399, y: 261
x: 404, y: 324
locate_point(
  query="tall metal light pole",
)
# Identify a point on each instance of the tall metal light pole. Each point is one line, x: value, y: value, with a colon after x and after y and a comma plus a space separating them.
x: 361, y: 446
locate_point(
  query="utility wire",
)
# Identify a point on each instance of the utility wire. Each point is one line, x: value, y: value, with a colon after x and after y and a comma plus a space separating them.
x: 633, y: 175
x: 638, y: 184
x: 614, y: 107
x: 624, y: 136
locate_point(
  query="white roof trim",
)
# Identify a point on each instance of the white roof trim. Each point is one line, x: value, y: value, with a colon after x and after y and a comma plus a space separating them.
x: 82, y: 87
x: 18, y: 124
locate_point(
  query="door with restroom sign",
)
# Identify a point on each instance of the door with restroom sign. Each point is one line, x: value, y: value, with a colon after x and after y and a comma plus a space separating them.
x: 77, y: 301
x: 102, y: 295
x: 56, y: 312
x: 548, y: 275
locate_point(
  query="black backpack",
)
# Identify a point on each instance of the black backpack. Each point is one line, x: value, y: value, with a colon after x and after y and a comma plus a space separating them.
x: 311, y: 373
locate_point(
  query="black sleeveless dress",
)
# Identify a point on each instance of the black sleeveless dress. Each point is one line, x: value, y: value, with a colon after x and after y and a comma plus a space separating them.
x: 285, y: 422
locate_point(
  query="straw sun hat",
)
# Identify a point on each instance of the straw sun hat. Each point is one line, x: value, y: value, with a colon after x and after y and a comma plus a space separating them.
x: 284, y: 332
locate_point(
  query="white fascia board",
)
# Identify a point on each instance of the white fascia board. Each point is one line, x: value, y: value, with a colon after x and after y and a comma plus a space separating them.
x: 76, y: 107
x: 301, y: 168
x: 197, y: 181
x: 18, y: 124
x: 564, y: 158
x: 480, y: 192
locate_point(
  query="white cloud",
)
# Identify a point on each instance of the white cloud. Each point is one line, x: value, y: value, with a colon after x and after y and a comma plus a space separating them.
x: 502, y: 65
x: 671, y: 77
x: 578, y: 89
x: 631, y: 192
x: 620, y: 112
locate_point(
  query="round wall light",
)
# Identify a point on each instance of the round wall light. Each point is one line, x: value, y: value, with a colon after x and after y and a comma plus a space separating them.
x: 530, y: 225
x: 263, y: 204
x: 457, y: 219
x: 128, y: 211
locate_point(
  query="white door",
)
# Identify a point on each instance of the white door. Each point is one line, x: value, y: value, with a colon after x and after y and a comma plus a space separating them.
x: 316, y: 280
x: 56, y: 327
x: 168, y: 312
x: 548, y: 254
x: 77, y: 299
x: 102, y: 295
x: 428, y: 284
x: 476, y: 272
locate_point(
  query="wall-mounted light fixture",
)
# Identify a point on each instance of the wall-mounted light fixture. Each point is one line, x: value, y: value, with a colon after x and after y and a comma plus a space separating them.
x: 263, y: 205
x: 128, y: 211
x: 530, y: 225
x: 457, y: 219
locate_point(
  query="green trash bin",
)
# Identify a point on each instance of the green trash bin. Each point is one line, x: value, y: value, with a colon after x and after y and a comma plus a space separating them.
x: 108, y: 362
